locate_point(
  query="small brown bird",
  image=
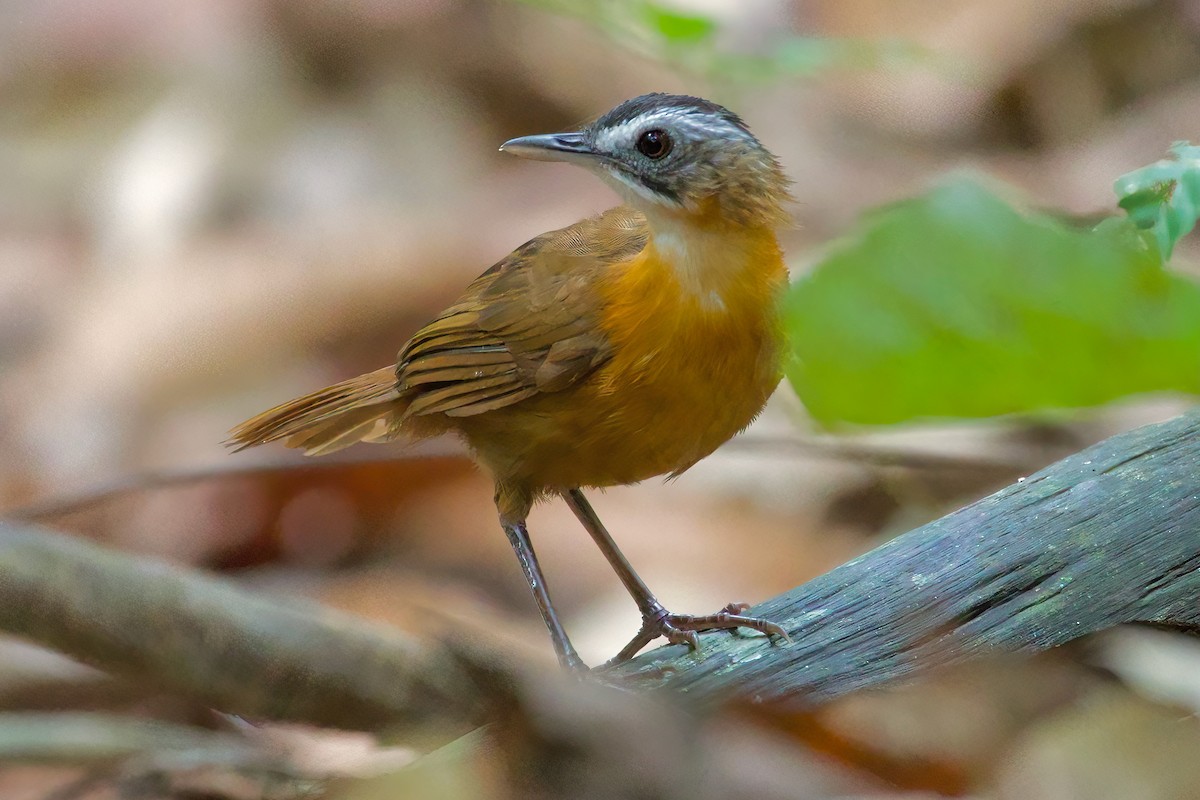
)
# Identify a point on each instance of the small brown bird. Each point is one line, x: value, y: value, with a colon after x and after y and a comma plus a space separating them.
x: 628, y: 345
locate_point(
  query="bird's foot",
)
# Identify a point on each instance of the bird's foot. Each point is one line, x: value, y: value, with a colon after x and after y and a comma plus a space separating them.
x: 682, y: 628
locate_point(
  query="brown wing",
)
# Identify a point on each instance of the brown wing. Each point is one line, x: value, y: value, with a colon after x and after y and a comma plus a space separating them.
x: 527, y: 325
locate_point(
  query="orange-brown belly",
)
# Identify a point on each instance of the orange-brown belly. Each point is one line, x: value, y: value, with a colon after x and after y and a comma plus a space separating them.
x: 653, y: 426
x: 685, y: 376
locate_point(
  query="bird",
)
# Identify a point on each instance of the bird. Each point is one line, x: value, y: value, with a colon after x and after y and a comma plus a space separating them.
x: 626, y: 346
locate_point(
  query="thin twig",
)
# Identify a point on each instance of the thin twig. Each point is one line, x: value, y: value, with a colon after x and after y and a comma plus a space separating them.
x: 241, y: 467
x: 790, y: 446
x: 878, y: 455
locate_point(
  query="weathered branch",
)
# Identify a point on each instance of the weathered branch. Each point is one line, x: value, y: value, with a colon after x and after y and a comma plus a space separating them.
x: 248, y: 654
x: 1106, y: 536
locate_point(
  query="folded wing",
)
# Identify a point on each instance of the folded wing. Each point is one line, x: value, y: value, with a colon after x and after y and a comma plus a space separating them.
x: 528, y: 325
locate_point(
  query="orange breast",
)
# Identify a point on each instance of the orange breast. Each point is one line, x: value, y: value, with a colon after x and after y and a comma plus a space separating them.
x: 689, y: 370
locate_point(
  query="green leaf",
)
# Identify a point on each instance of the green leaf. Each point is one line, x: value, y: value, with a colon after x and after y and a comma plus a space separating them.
x: 677, y: 27
x: 954, y: 304
x: 1164, y: 197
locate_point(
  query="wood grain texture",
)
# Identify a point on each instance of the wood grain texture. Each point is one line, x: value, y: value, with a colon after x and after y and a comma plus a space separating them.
x: 1107, y: 536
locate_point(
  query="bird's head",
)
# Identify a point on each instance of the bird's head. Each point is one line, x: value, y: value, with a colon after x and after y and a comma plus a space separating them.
x: 677, y: 155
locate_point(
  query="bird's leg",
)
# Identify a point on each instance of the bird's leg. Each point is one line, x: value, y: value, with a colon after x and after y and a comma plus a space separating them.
x: 656, y: 620
x: 518, y: 537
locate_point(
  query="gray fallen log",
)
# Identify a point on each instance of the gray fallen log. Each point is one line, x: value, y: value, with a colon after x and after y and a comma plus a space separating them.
x: 1107, y: 536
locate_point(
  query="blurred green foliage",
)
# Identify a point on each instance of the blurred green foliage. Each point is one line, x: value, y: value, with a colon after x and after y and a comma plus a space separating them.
x: 1164, y: 197
x: 691, y: 42
x: 954, y: 304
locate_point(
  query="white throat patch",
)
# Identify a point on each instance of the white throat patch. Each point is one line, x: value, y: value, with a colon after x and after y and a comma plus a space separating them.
x: 706, y: 264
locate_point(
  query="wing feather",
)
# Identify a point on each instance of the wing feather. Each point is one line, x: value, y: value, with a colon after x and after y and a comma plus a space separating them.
x: 528, y: 325
x: 492, y: 403
x: 456, y: 393
x: 427, y: 360
x: 455, y: 374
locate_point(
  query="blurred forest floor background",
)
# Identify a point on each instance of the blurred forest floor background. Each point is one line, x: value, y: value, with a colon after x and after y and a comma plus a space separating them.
x: 210, y: 208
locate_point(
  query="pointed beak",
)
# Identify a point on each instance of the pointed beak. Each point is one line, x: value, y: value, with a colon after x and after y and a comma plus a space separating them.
x: 569, y: 147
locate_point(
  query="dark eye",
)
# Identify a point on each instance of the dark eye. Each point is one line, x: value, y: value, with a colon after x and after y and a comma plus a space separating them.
x: 654, y: 144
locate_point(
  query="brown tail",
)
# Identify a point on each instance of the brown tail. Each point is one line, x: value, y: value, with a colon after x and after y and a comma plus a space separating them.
x: 327, y: 420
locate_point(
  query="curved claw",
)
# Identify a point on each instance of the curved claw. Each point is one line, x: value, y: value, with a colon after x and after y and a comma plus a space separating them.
x: 681, y: 636
x: 771, y: 629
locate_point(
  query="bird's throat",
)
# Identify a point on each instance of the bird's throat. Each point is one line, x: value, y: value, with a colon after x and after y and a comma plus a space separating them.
x: 714, y: 264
